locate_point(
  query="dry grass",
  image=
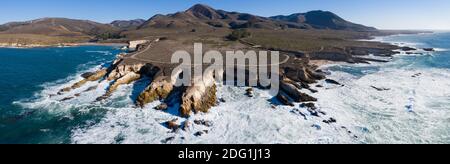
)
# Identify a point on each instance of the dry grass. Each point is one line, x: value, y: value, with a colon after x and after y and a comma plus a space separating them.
x: 308, y: 40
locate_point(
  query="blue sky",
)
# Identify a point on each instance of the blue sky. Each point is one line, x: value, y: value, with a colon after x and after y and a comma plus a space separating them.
x: 383, y: 14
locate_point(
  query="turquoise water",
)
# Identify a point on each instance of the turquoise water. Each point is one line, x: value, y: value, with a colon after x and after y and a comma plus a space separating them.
x: 26, y: 72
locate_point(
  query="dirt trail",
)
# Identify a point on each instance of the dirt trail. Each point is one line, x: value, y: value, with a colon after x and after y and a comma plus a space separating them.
x: 152, y: 43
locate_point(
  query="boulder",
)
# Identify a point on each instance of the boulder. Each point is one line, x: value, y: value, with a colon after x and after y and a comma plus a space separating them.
x: 380, y: 89
x: 198, y: 100
x: 330, y: 121
x: 88, y: 77
x: 407, y: 49
x: 302, y: 74
x: 331, y: 81
x: 172, y: 125
x: 162, y: 107
x: 292, y: 91
x: 204, y: 123
x: 123, y: 69
x: 249, y: 92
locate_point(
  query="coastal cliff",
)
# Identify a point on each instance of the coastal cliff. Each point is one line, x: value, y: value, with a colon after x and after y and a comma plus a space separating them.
x: 192, y: 99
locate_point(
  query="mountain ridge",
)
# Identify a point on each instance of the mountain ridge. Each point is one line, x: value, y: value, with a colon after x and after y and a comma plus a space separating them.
x: 199, y: 16
x: 204, y: 15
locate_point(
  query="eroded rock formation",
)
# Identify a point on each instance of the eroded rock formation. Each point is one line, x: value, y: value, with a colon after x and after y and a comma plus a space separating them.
x: 159, y: 89
x: 87, y: 77
x: 200, y: 97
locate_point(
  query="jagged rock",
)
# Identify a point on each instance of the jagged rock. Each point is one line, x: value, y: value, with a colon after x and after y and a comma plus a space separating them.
x: 67, y: 98
x: 330, y: 121
x: 197, y: 100
x: 249, y: 92
x: 172, y: 125
x: 200, y: 97
x: 186, y: 125
x: 297, y: 111
x: 204, y: 123
x: 313, y: 112
x: 319, y: 86
x: 91, y: 88
x: 331, y: 81
x: 311, y: 107
x: 93, y: 77
x: 159, y: 89
x: 133, y: 45
x: 308, y: 105
x: 87, y: 74
x: 284, y: 99
x: 408, y: 49
x: 429, y: 49
x: 416, y: 75
x: 322, y: 112
x: 97, y: 75
x: 123, y: 69
x: 127, y: 79
x: 200, y: 133
x: 380, y: 89
x: 313, y: 90
x: 167, y: 139
x: 302, y: 74
x: 162, y: 107
x: 292, y: 91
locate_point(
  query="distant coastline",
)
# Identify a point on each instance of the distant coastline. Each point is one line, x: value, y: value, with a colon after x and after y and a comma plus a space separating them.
x: 17, y: 45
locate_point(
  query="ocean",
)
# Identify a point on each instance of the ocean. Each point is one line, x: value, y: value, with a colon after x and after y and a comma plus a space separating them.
x: 413, y: 105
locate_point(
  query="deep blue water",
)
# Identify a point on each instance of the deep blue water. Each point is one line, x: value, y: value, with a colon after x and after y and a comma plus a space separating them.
x: 24, y: 72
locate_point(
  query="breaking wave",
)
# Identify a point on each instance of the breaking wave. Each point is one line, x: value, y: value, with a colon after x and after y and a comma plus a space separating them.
x: 394, y: 102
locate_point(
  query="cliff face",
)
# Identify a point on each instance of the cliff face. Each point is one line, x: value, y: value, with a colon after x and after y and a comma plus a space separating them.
x: 201, y: 96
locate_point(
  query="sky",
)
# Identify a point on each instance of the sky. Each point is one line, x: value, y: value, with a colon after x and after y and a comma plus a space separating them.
x: 382, y: 14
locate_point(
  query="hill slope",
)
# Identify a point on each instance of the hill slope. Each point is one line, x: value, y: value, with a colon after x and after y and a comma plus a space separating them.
x: 54, y: 30
x: 323, y: 20
x: 204, y: 16
x: 128, y: 24
x: 57, y: 27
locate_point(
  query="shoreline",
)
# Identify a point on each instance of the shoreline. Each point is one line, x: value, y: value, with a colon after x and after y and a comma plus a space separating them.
x: 380, y: 39
x: 61, y: 45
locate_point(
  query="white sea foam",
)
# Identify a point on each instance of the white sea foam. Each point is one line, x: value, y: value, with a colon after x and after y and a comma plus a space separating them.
x: 240, y: 120
x: 410, y: 110
x: 101, y: 52
x: 413, y: 110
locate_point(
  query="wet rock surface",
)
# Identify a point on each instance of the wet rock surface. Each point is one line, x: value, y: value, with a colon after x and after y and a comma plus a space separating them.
x: 331, y: 81
x: 159, y: 89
